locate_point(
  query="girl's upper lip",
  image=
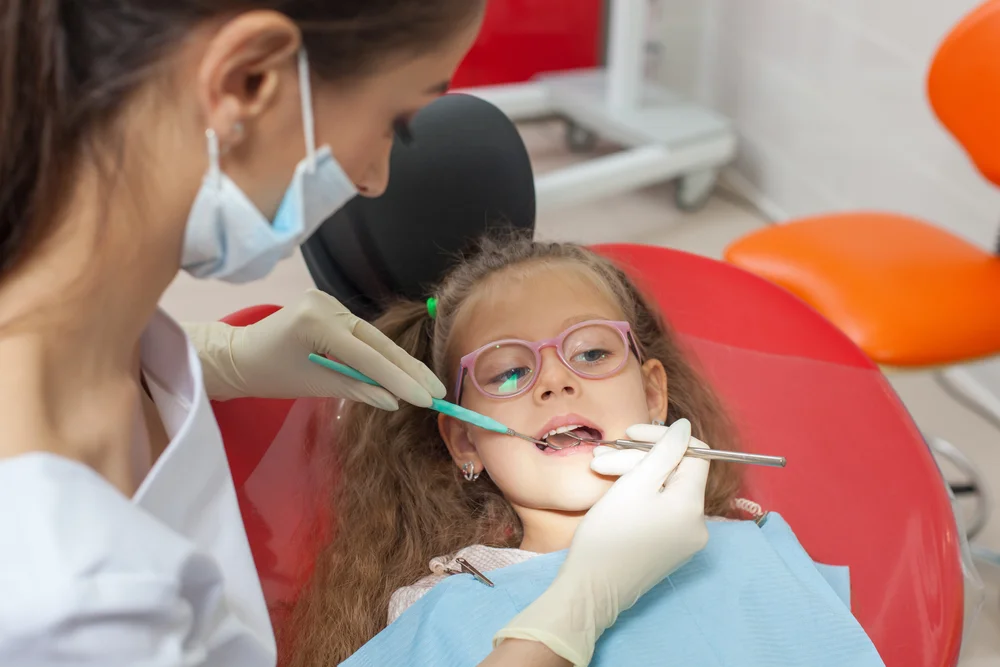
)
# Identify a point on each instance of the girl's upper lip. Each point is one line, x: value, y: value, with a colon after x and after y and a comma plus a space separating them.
x: 567, y: 420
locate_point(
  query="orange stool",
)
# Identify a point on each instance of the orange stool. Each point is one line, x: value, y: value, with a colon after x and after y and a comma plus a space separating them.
x: 906, y: 292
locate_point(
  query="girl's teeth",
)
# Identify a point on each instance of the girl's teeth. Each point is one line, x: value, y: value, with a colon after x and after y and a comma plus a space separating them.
x: 562, y: 429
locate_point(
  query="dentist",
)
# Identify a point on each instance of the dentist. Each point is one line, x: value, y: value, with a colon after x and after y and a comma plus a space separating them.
x: 139, y: 138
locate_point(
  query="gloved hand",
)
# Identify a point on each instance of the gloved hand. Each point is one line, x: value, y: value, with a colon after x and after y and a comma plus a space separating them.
x: 626, y: 544
x: 616, y: 462
x: 270, y: 359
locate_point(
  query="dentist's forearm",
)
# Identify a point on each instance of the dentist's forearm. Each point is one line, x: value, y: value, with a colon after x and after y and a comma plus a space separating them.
x: 523, y: 653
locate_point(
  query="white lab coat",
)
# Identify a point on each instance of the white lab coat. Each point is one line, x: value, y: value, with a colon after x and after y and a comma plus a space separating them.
x: 89, y: 577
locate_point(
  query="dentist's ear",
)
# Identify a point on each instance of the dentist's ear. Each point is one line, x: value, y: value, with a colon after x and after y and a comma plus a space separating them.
x: 457, y: 436
x: 239, y: 74
x: 654, y: 381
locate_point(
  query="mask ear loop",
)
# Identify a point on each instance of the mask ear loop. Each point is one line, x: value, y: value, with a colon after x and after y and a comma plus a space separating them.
x: 214, y: 171
x: 307, y: 111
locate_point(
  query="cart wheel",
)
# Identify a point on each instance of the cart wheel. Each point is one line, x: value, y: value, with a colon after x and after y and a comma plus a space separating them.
x: 579, y: 139
x: 692, y: 191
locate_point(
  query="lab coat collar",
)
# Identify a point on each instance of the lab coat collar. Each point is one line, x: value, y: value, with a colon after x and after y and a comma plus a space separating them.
x: 190, y: 487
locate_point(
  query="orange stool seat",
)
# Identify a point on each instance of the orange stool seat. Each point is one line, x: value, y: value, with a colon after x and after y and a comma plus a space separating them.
x: 906, y: 292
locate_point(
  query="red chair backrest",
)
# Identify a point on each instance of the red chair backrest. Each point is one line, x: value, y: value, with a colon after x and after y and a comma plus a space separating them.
x: 251, y: 422
x: 963, y: 85
x: 861, y: 488
x: 288, y: 522
x: 522, y: 38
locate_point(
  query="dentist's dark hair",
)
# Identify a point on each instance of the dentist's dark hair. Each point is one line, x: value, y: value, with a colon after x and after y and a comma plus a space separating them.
x: 67, y: 67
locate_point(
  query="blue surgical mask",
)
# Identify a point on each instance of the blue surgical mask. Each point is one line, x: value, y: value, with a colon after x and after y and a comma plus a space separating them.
x: 228, y: 238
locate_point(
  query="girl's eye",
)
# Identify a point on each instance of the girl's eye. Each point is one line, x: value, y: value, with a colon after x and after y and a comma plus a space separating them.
x: 401, y: 127
x: 509, y: 381
x: 592, y: 356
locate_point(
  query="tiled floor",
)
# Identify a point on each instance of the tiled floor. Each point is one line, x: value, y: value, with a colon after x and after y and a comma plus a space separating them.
x: 648, y: 216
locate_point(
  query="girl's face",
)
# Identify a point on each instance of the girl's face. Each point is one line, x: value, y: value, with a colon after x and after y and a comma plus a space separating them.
x: 536, y: 305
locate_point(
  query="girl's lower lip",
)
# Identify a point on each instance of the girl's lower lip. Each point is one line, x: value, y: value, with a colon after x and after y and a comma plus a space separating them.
x: 568, y: 451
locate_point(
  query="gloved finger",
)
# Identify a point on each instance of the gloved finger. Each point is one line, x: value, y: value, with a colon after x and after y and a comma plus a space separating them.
x: 361, y: 356
x: 695, y: 442
x: 692, y: 471
x: 646, y: 432
x: 665, y: 455
x: 417, y: 370
x: 690, y: 476
x: 601, y: 450
x: 693, y: 468
x: 616, y: 462
x: 328, y: 383
x: 653, y: 433
x: 689, y: 480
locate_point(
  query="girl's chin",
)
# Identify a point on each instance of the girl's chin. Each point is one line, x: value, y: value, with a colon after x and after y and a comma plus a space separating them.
x: 581, y: 498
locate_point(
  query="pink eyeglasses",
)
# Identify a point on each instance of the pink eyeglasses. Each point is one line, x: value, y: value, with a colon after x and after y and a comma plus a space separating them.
x: 593, y: 350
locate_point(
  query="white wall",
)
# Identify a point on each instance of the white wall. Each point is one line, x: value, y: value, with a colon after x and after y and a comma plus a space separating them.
x: 829, y: 100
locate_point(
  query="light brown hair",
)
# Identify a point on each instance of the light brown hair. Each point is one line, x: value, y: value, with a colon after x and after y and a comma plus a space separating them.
x: 400, y: 499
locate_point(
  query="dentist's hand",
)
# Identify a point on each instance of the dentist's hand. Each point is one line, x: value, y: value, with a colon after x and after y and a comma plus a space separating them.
x: 615, y: 462
x: 270, y: 359
x: 627, y: 543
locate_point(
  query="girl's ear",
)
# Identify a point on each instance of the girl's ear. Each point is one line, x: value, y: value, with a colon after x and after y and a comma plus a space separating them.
x: 654, y: 380
x: 457, y: 436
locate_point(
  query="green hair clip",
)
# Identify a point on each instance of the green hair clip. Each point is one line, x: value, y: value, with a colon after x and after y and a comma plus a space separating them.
x: 432, y: 307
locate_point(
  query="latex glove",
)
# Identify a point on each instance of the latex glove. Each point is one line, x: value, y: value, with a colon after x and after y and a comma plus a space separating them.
x: 270, y: 359
x: 627, y: 543
x: 616, y: 462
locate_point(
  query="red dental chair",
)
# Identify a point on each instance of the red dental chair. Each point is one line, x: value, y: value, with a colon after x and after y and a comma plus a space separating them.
x: 861, y: 488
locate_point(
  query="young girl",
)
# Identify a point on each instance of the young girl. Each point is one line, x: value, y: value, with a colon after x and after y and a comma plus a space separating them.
x: 546, y: 338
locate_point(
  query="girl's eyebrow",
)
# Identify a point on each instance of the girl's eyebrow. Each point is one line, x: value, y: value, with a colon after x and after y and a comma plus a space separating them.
x: 583, y: 318
x: 567, y: 323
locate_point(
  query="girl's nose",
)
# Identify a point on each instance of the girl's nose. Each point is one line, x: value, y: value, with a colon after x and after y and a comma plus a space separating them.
x: 554, y: 379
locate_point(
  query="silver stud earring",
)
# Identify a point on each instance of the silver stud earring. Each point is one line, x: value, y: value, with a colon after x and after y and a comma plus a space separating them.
x: 469, y: 471
x: 657, y: 422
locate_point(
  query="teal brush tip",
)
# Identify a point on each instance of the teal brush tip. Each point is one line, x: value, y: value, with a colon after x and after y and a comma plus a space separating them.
x: 444, y: 407
x: 343, y: 369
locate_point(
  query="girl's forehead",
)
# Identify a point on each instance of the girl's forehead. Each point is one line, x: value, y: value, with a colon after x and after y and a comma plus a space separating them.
x: 535, y: 304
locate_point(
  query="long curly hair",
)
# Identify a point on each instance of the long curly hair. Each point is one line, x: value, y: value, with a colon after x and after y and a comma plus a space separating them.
x: 399, y: 499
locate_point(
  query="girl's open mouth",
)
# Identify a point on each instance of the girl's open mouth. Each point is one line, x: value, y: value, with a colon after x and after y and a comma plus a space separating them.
x: 563, y: 437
